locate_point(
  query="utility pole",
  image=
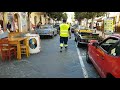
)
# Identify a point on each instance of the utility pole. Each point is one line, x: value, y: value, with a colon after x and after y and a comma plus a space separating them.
x: 4, y: 26
x: 29, y: 20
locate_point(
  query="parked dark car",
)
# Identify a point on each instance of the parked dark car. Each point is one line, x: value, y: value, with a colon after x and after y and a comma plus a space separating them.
x: 84, y: 38
x: 73, y: 28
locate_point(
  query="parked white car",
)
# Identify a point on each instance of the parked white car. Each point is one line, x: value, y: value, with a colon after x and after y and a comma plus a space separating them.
x: 47, y: 30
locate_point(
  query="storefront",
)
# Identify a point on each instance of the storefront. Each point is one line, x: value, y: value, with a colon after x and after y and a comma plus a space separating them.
x: 17, y: 22
x: 10, y: 19
x: 23, y: 22
x: 1, y: 19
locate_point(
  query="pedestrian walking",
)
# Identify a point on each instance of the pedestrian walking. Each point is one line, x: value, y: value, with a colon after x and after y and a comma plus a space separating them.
x: 64, y: 32
x: 94, y: 25
x: 9, y: 26
x: 38, y: 25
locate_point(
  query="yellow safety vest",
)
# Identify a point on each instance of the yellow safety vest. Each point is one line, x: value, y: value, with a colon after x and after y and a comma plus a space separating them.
x: 64, y: 30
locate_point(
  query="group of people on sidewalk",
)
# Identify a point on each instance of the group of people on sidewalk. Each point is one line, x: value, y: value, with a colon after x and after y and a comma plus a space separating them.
x: 8, y: 28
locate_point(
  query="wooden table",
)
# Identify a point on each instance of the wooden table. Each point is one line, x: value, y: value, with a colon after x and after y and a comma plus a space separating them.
x: 16, y: 41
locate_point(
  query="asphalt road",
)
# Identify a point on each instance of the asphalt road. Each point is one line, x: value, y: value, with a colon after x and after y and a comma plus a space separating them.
x: 50, y: 63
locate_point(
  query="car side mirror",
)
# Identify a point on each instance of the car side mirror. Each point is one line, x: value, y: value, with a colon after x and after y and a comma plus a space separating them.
x: 95, y: 44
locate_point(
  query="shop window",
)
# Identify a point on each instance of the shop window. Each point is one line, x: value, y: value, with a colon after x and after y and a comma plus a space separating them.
x: 1, y: 22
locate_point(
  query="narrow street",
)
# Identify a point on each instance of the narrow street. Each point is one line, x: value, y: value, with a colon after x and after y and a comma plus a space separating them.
x: 20, y: 44
x: 50, y: 63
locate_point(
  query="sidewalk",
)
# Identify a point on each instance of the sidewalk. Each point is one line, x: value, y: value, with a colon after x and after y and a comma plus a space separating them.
x: 104, y: 35
x: 49, y: 63
x: 101, y: 34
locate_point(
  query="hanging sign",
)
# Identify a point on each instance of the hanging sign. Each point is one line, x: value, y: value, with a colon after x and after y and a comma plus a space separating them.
x: 108, y: 26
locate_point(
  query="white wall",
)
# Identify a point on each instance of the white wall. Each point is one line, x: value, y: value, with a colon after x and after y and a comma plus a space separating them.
x: 43, y: 19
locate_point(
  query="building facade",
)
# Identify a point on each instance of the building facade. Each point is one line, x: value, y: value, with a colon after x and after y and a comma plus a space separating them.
x: 36, y: 17
x: 19, y: 20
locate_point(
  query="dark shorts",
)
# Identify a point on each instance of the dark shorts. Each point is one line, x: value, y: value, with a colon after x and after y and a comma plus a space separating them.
x: 64, y: 40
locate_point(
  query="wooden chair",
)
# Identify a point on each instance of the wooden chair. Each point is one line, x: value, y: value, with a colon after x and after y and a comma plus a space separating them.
x: 25, y: 47
x: 7, y: 51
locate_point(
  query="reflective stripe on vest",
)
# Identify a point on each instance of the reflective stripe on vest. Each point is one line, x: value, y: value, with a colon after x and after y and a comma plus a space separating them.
x: 64, y: 30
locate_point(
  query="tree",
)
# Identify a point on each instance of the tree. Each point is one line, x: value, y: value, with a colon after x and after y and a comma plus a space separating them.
x: 92, y: 15
x: 57, y: 15
x: 64, y: 16
x: 80, y: 15
x: 88, y: 15
x: 4, y: 25
x: 29, y: 20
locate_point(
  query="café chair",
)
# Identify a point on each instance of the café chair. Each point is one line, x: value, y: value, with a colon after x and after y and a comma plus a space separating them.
x: 7, y: 51
x: 25, y: 47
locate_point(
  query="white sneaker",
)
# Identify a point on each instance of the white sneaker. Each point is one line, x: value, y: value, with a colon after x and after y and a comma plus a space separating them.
x: 60, y: 49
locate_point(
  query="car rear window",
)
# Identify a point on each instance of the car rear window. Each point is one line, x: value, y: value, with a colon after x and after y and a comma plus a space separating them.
x: 85, y: 34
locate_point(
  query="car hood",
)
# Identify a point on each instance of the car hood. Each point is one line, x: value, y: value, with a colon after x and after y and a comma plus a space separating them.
x: 89, y: 37
x: 87, y: 31
x: 44, y: 30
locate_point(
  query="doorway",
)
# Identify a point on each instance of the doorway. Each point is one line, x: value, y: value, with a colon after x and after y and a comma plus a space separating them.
x: 35, y: 20
x: 17, y: 22
x: 1, y: 23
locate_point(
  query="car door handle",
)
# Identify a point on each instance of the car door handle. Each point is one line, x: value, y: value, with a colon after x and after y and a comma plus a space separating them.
x: 101, y: 57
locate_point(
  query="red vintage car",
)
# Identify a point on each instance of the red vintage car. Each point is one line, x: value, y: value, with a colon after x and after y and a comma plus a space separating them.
x: 105, y: 56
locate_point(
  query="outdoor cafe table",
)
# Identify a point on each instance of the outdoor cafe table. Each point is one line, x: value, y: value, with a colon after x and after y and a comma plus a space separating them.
x: 16, y: 41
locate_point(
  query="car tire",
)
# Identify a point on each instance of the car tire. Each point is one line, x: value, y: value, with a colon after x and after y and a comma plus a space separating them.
x: 75, y: 40
x: 52, y: 35
x: 87, y: 58
x: 110, y: 76
x: 78, y: 44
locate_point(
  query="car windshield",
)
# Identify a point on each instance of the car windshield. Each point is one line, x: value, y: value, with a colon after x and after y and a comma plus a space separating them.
x: 81, y: 27
x: 56, y: 25
x: 45, y: 27
x: 116, y: 51
x: 75, y: 26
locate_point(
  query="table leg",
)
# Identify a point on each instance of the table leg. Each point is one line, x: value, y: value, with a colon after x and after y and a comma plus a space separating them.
x: 18, y: 51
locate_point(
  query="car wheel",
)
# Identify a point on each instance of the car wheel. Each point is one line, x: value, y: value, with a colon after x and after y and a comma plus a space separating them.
x: 52, y: 35
x: 56, y: 34
x: 78, y: 44
x: 110, y: 76
x: 75, y: 40
x: 87, y: 58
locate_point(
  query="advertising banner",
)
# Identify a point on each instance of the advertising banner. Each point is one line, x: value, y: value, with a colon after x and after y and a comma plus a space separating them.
x: 108, y: 26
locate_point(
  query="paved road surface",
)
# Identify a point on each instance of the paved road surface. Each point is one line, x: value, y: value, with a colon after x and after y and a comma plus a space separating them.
x: 50, y: 63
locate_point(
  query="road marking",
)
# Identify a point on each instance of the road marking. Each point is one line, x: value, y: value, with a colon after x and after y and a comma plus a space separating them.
x: 82, y: 63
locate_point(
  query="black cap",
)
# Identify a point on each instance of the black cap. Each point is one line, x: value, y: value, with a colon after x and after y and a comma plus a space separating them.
x: 64, y: 20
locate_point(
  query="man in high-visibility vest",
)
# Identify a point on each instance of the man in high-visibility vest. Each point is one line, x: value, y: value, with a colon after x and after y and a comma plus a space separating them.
x: 64, y: 32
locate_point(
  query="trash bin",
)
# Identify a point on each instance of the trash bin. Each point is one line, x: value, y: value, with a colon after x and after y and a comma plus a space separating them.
x: 34, y: 43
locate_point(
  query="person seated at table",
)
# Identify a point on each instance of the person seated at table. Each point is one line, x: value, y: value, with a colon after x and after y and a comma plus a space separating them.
x: 9, y: 27
x: 1, y: 31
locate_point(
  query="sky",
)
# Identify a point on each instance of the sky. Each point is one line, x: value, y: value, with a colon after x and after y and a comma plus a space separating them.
x: 70, y: 14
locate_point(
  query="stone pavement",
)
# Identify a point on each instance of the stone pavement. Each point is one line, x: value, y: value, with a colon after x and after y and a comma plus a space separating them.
x: 49, y: 63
